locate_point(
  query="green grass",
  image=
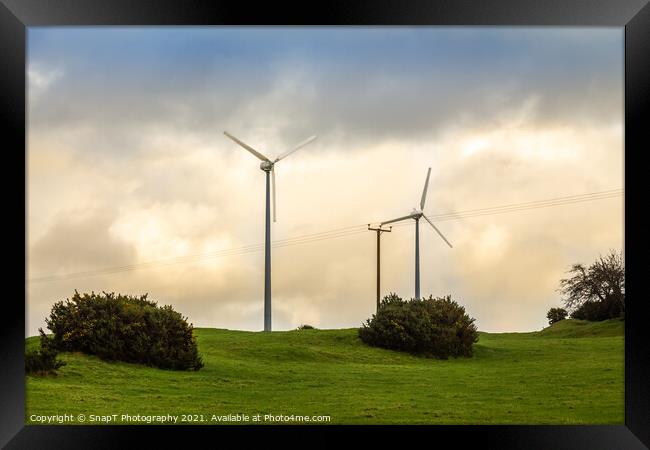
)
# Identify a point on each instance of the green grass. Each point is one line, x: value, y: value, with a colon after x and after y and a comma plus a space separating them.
x: 571, y: 328
x: 569, y: 373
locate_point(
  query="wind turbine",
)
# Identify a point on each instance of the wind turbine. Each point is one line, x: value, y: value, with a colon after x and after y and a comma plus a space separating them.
x: 268, y: 166
x: 416, y: 215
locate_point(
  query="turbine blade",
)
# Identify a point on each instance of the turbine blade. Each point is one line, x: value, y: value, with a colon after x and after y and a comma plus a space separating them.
x: 297, y: 147
x: 247, y: 147
x: 273, y: 187
x: 424, y: 192
x: 410, y: 216
x: 438, y: 231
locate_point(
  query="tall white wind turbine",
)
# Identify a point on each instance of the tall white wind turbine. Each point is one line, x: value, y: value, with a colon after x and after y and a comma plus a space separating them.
x: 268, y: 166
x: 416, y: 215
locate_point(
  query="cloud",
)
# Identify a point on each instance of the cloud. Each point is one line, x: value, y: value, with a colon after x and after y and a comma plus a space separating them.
x: 82, y: 241
x: 40, y: 79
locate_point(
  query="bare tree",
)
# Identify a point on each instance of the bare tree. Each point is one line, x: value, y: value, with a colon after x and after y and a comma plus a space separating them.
x: 603, y: 281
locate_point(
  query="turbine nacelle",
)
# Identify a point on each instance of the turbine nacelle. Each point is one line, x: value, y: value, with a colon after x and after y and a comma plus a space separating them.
x: 267, y: 165
x: 416, y: 214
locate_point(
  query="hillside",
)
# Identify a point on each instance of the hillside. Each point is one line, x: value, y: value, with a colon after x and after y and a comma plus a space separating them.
x: 568, y: 373
x: 572, y: 328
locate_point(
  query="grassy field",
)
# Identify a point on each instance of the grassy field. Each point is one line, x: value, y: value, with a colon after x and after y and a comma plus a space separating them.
x: 570, y: 373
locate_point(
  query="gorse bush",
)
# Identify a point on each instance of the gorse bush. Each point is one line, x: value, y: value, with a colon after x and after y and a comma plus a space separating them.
x: 124, y: 328
x: 43, y: 361
x: 305, y: 327
x: 436, y: 327
x: 555, y: 315
x: 598, y: 310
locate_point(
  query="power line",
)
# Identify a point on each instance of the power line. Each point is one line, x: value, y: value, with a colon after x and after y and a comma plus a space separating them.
x: 201, y: 256
x: 333, y: 234
x: 330, y: 234
x: 517, y: 207
x: 549, y: 200
x: 528, y: 205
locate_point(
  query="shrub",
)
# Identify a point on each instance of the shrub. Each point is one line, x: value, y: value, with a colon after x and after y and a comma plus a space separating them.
x: 598, y: 311
x: 43, y: 361
x: 436, y: 327
x: 124, y: 328
x: 306, y: 327
x: 555, y: 315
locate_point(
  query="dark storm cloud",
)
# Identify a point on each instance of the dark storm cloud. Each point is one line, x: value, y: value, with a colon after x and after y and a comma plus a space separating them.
x: 362, y: 84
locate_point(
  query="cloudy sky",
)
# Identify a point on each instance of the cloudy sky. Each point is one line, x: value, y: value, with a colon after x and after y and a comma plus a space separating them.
x: 132, y: 186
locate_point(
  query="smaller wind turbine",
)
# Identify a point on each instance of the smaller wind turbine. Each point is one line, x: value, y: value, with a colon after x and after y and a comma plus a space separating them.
x: 416, y: 215
x: 268, y: 166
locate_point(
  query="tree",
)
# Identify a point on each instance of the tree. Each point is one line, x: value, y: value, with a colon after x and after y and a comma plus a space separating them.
x: 602, y: 283
x: 555, y: 315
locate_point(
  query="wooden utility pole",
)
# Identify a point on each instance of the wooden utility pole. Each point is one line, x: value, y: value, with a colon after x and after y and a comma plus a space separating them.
x: 379, y: 231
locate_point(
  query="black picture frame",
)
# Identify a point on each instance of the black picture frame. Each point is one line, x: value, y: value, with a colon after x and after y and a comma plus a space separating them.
x: 633, y: 15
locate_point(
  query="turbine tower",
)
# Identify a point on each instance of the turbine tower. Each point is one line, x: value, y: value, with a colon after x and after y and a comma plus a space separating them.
x: 416, y: 215
x: 268, y: 167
